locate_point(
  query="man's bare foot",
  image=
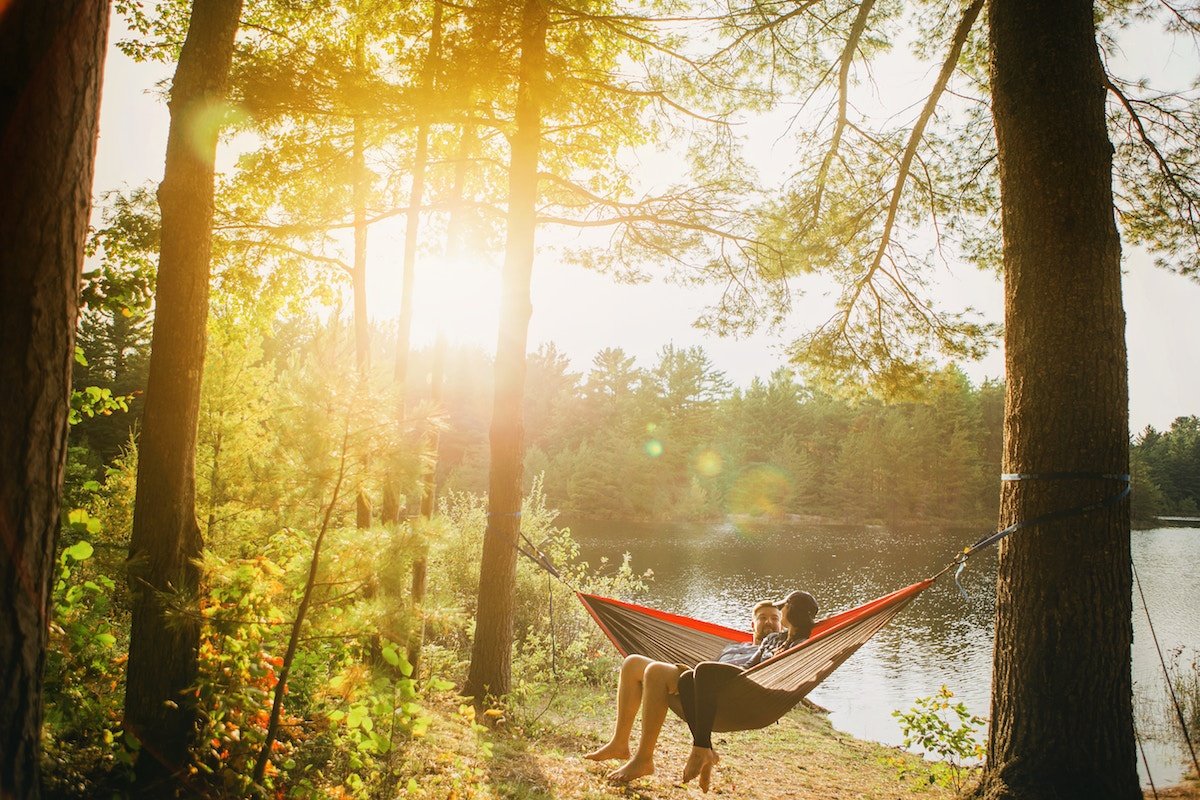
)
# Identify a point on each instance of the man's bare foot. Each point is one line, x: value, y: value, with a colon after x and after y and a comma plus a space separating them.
x: 698, y: 759
x: 609, y: 751
x: 631, y: 769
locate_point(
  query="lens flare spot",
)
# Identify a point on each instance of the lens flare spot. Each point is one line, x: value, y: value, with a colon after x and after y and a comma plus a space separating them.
x: 761, y: 490
x: 206, y: 123
x: 654, y: 448
x: 709, y: 463
x: 651, y: 427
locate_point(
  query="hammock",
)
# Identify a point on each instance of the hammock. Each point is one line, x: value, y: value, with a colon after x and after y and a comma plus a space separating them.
x: 765, y: 692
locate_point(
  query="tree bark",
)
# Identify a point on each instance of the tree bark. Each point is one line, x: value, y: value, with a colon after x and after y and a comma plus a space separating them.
x: 362, y: 325
x: 159, y: 696
x: 51, y: 61
x: 416, y: 197
x: 491, y: 652
x: 1062, y: 722
x: 416, y: 639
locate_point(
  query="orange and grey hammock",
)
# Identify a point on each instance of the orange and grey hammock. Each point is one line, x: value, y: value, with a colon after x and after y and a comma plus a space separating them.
x: 765, y: 692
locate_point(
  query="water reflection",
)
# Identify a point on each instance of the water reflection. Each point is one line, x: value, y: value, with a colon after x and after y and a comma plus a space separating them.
x: 718, y: 572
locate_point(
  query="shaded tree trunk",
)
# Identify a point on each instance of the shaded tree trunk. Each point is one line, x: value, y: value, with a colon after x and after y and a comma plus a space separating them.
x: 491, y: 652
x: 51, y: 61
x: 1062, y: 722
x: 159, y: 704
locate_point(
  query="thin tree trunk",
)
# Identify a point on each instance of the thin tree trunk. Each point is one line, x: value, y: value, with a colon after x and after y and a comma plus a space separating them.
x: 362, y: 330
x: 1062, y: 722
x: 51, y: 61
x: 413, y: 219
x: 491, y: 652
x: 159, y: 698
x: 285, y: 670
x: 428, y: 504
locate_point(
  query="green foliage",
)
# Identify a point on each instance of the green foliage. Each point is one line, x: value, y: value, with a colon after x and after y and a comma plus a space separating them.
x: 556, y: 640
x: 342, y: 715
x: 84, y: 664
x: 1166, y: 470
x: 942, y: 728
x: 676, y: 443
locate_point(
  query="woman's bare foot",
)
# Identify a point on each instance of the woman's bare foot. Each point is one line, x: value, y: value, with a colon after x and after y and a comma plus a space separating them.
x: 631, y: 769
x: 609, y: 751
x: 706, y: 773
x: 699, y: 759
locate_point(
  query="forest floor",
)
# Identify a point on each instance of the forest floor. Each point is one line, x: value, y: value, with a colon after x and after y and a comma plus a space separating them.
x: 801, y: 758
x: 538, y: 757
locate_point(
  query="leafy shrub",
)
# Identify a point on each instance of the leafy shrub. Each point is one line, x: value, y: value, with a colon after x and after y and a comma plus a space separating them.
x: 557, y: 642
x: 944, y: 729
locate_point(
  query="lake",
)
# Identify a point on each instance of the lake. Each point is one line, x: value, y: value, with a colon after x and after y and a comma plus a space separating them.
x: 718, y: 571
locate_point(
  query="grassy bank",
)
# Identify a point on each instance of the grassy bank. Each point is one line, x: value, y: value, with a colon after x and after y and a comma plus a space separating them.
x: 535, y: 753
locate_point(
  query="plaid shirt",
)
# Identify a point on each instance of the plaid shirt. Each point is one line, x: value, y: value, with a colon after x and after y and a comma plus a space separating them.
x: 772, y: 645
x: 739, y: 654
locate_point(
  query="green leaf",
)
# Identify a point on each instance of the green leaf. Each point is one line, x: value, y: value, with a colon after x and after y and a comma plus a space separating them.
x: 81, y: 550
x: 391, y: 656
x: 106, y: 639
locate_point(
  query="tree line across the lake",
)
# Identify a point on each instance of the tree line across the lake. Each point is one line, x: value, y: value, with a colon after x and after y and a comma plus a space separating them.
x: 668, y: 440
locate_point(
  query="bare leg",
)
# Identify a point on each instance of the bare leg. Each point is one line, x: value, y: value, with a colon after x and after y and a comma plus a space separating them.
x: 661, y: 680
x: 629, y: 698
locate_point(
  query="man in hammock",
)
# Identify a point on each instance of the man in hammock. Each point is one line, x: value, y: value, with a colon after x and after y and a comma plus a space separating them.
x: 649, y: 684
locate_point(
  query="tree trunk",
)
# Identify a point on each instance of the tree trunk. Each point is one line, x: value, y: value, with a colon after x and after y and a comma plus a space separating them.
x: 491, y: 652
x: 416, y: 197
x: 51, y: 60
x: 416, y: 639
x: 1062, y: 722
x: 159, y: 701
x: 362, y: 329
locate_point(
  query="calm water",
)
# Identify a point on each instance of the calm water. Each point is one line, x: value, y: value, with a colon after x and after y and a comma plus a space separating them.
x: 717, y: 572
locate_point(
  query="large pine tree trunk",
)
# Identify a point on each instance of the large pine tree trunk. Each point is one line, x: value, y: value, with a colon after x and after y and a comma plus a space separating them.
x: 51, y: 59
x: 159, y: 708
x: 1061, y: 702
x: 491, y: 652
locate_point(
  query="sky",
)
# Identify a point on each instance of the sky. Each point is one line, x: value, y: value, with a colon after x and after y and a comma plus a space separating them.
x: 583, y: 312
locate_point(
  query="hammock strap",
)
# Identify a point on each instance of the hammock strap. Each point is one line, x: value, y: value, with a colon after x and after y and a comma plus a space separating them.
x: 535, y: 553
x: 960, y: 561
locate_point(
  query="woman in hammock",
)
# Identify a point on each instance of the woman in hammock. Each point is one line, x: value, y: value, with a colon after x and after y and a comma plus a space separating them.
x: 700, y: 687
x: 650, y: 683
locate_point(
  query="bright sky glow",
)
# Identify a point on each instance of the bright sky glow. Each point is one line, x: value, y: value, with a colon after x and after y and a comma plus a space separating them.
x: 583, y: 312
